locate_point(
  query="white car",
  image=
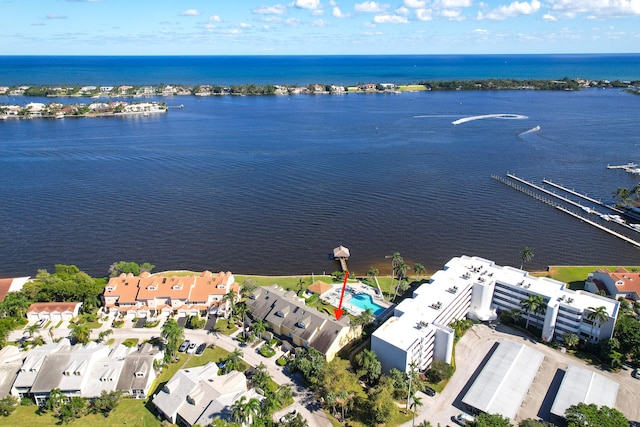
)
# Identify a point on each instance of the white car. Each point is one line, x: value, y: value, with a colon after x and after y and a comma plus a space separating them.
x: 636, y: 373
x: 288, y: 417
x: 464, y: 419
x: 192, y: 347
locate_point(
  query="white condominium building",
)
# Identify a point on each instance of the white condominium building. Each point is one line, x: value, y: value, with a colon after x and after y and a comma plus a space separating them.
x: 418, y: 332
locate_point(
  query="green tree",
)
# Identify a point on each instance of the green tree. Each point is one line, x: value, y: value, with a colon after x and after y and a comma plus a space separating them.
x: 75, y: 407
x: 32, y: 329
x: 232, y: 362
x: 401, y: 272
x: 126, y: 267
x: 230, y: 297
x: 55, y: 401
x: 622, y: 194
x: 627, y: 331
x: 583, y: 415
x: 368, y: 365
x: 80, y: 333
x: 244, y: 411
x: 261, y: 377
x: 531, y: 305
x: 415, y: 403
x: 311, y: 363
x: 259, y: 328
x: 570, y: 339
x: 530, y: 422
x: 526, y: 255
x: 248, y: 286
x: 104, y: 334
x: 419, y: 270
x: 382, y: 407
x: 106, y: 402
x: 8, y: 404
x: 596, y: 315
x: 373, y: 273
x: 173, y: 336
x: 439, y: 371
x: 491, y: 420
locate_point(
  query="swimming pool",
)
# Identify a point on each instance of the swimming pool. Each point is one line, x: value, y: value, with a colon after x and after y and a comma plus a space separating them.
x: 365, y: 301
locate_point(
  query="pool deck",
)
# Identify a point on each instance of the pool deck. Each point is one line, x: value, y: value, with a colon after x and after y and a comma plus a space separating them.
x: 332, y: 296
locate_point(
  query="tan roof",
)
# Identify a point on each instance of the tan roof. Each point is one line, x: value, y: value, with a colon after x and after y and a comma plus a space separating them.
x: 319, y: 287
x: 50, y: 307
x: 5, y: 284
x: 207, y: 284
x: 124, y: 286
x: 341, y: 252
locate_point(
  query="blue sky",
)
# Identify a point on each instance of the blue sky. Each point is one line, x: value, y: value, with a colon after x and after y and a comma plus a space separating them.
x: 320, y: 27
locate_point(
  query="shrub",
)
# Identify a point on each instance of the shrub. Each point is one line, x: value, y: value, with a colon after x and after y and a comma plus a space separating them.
x: 118, y: 323
x: 267, y: 351
x: 439, y: 371
x: 281, y: 361
x: 149, y: 324
x: 313, y: 298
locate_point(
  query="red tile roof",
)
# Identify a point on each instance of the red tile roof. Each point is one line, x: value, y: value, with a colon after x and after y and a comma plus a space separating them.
x: 50, y: 307
x: 5, y: 284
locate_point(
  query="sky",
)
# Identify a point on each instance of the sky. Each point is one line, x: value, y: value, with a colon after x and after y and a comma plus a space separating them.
x: 317, y: 27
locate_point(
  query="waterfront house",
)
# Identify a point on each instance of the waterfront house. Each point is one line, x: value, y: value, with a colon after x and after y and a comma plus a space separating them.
x: 14, y: 284
x: 478, y: 288
x: 289, y: 317
x: 199, y: 395
x: 619, y: 283
x: 148, y: 295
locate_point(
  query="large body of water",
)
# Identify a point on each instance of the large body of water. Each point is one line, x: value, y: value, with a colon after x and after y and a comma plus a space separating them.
x: 227, y: 70
x: 271, y: 184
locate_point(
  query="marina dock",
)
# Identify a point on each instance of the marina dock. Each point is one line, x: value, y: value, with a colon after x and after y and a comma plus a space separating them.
x: 629, y: 167
x: 514, y: 182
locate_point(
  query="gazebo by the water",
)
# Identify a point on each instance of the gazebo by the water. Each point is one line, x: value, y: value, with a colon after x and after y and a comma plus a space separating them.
x: 341, y: 254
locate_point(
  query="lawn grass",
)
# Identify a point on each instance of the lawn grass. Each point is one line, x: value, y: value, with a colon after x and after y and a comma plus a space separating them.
x: 411, y: 87
x: 225, y: 327
x: 130, y: 342
x: 285, y: 282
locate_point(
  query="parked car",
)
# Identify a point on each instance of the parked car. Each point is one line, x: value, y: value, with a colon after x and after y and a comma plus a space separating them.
x: 200, y: 349
x: 463, y: 419
x: 429, y: 391
x: 41, y: 322
x: 192, y: 347
x: 288, y: 417
x: 183, y: 347
x: 636, y: 373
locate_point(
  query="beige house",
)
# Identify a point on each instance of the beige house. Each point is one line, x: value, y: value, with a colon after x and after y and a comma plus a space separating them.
x: 55, y: 311
x: 289, y: 317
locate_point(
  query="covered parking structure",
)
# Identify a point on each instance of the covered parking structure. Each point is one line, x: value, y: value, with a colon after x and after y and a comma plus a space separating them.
x: 581, y: 385
x: 503, y: 383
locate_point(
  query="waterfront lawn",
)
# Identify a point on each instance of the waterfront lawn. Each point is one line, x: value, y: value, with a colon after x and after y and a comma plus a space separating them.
x: 405, y: 88
x: 285, y: 282
x: 575, y: 275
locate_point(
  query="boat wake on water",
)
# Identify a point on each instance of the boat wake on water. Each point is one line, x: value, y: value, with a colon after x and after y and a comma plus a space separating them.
x: 489, y: 116
x: 532, y: 130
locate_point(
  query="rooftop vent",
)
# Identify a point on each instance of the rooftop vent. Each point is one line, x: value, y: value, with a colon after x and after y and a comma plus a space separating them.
x: 436, y: 305
x: 452, y: 289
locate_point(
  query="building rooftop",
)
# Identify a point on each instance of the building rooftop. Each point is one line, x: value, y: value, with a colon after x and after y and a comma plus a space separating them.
x: 582, y: 385
x: 503, y: 383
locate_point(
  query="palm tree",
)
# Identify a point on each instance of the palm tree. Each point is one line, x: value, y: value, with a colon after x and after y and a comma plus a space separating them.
x: 622, y: 194
x: 526, y: 255
x: 259, y: 328
x: 243, y: 410
x: 80, y: 333
x: 396, y: 260
x: 570, y: 340
x: 241, y: 310
x: 373, y: 272
x: 531, y: 305
x: 419, y: 270
x: 32, y: 329
x: 415, y: 402
x: 369, y: 365
x: 596, y: 315
x: 173, y: 334
x: 401, y: 270
x: 230, y: 297
x: 283, y: 393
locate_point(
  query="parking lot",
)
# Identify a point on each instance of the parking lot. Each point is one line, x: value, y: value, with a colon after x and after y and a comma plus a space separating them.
x: 472, y: 350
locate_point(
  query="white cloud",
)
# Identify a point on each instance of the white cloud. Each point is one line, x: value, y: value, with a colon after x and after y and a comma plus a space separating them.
x: 307, y: 4
x: 404, y: 11
x: 480, y: 31
x: 277, y: 9
x: 424, y: 14
x: 190, y: 12
x: 453, y: 4
x: 514, y: 9
x: 55, y: 16
x: 244, y: 25
x: 292, y: 22
x: 317, y: 12
x: 215, y: 18
x: 549, y: 17
x: 415, y: 4
x: 320, y: 23
x: 390, y: 19
x: 370, y: 6
x: 596, y: 8
x: 452, y: 14
x: 337, y: 13
x: 234, y: 31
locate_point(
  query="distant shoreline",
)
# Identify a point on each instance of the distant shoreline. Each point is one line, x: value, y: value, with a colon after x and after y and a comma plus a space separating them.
x: 170, y: 90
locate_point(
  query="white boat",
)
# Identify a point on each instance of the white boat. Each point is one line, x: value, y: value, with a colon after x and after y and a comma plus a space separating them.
x: 635, y: 227
x: 588, y: 209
